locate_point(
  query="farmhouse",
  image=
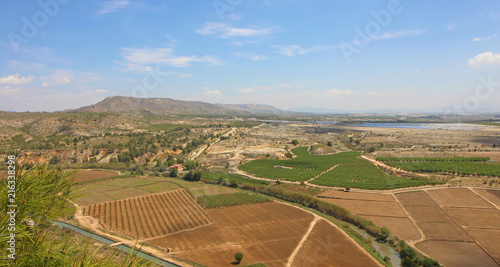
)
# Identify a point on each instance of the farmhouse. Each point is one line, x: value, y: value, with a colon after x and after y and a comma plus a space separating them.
x: 178, y: 166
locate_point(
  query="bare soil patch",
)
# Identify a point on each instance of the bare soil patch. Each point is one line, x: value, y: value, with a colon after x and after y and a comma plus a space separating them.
x: 444, y: 231
x: 477, y: 218
x: 363, y: 207
x: 89, y: 175
x: 326, y: 246
x: 457, y: 254
x: 458, y: 197
x: 403, y: 228
x: 357, y: 196
x: 267, y: 233
x: 150, y: 216
x: 491, y: 195
x: 416, y: 198
x: 424, y: 213
x: 489, y: 239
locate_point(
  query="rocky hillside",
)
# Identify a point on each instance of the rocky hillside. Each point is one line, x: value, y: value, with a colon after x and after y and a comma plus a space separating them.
x: 162, y: 106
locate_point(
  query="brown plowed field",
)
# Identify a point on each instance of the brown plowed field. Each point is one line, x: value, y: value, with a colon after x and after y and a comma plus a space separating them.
x: 326, y: 246
x: 126, y: 193
x: 458, y: 197
x: 457, y: 254
x: 368, y: 207
x: 477, y: 218
x: 90, y: 175
x: 357, y: 196
x: 444, y: 231
x: 489, y: 239
x: 416, y: 198
x: 266, y: 233
x: 422, y: 213
x: 491, y: 195
x: 401, y: 227
x: 150, y: 216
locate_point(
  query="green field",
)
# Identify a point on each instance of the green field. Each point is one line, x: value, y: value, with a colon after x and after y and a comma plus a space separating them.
x: 302, y: 168
x: 363, y: 174
x: 454, y: 165
x: 350, y: 172
x: 221, y: 200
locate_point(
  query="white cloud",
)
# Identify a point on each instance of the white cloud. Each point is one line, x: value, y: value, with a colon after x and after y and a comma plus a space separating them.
x: 62, y: 77
x: 250, y: 56
x: 113, y: 6
x: 488, y: 58
x: 16, y: 79
x: 485, y: 38
x: 136, y: 59
x: 397, y: 34
x: 8, y: 91
x: 255, y: 89
x: 45, y: 84
x: 205, y: 88
x: 185, y: 75
x: 212, y: 93
x: 295, y: 50
x: 225, y: 30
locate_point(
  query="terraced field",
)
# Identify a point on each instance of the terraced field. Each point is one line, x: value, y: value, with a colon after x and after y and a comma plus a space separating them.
x: 150, y: 216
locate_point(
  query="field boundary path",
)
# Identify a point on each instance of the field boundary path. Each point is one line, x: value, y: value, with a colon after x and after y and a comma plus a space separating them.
x: 333, y: 167
x: 494, y: 205
x: 304, y: 238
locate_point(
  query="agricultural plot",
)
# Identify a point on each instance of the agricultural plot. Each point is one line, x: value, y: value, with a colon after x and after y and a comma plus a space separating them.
x: 491, y: 195
x: 266, y: 233
x: 302, y: 168
x: 351, y: 171
x: 419, y: 198
x: 91, y: 175
x: 449, y: 231
x: 476, y: 218
x: 455, y: 165
x: 489, y: 239
x: 221, y: 200
x: 457, y: 254
x: 326, y: 246
x: 382, y: 209
x: 150, y: 216
x: 458, y: 197
x: 363, y: 174
x: 120, y: 188
x: 228, y: 177
x: 426, y: 213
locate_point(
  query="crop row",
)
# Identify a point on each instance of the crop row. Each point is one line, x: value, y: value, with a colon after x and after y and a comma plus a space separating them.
x: 363, y: 174
x: 433, y: 159
x: 221, y: 200
x: 459, y: 168
x: 301, y: 168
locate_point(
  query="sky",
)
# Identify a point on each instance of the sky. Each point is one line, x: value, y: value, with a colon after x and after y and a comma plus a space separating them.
x: 305, y: 55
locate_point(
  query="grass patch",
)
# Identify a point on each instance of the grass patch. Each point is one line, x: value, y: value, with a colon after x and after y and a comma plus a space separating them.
x: 228, y: 177
x: 222, y: 200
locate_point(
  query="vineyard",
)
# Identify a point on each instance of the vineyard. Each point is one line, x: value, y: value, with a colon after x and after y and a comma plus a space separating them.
x: 360, y: 173
x: 455, y: 165
x: 221, y: 200
x: 150, y: 216
x: 302, y: 168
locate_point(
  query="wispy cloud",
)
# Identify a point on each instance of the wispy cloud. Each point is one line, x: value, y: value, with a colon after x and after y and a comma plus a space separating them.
x: 397, y: 34
x: 9, y: 91
x: 225, y: 30
x: 478, y: 39
x: 250, y: 56
x: 20, y: 65
x: 488, y: 58
x: 138, y: 59
x: 16, y: 79
x: 295, y: 50
x: 255, y: 89
x: 212, y: 93
x: 113, y: 6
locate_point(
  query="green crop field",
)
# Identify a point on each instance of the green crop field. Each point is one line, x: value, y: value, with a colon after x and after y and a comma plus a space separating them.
x: 302, y: 168
x: 350, y: 172
x: 228, y: 177
x: 221, y: 200
x: 454, y: 165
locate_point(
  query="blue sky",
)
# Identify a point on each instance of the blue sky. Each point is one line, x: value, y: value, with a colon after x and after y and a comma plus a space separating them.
x: 293, y: 54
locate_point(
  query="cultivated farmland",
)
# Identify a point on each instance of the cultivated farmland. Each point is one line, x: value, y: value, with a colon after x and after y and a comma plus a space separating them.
x: 453, y: 165
x: 337, y: 170
x: 91, y: 175
x: 232, y: 199
x: 150, y: 216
